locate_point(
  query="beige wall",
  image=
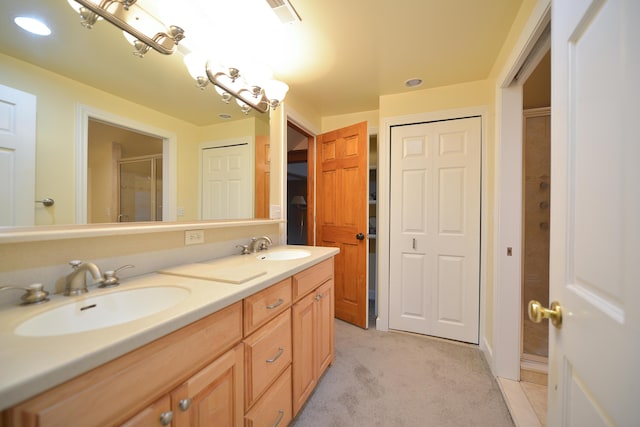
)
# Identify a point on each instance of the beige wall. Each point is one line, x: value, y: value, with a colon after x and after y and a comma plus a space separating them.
x: 330, y: 123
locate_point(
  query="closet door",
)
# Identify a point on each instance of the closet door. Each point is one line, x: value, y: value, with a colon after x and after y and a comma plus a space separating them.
x: 435, y: 228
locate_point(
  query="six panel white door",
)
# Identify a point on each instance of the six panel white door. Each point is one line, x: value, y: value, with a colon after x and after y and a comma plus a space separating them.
x: 435, y: 228
x: 227, y: 182
x: 17, y: 157
x: 594, y: 379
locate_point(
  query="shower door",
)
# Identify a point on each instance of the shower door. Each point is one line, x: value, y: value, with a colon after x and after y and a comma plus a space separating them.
x: 141, y: 189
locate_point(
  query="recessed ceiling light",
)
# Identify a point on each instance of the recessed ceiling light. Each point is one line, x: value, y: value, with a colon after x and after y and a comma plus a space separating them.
x: 413, y: 82
x: 32, y: 25
x: 224, y: 116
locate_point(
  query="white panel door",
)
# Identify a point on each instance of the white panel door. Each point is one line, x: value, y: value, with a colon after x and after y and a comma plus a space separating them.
x: 594, y: 376
x: 435, y: 228
x: 227, y: 182
x: 17, y: 157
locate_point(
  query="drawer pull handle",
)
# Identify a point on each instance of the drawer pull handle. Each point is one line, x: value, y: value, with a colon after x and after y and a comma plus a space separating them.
x: 166, y: 418
x: 281, y: 414
x: 274, y: 305
x: 277, y: 356
x: 184, y: 404
x: 318, y: 297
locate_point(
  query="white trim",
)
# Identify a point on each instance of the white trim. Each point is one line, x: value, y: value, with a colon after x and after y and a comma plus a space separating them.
x: 508, y: 201
x: 384, y: 178
x: 169, y: 154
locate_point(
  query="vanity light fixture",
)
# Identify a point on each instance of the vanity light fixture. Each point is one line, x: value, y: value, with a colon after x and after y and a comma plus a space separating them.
x: 250, y: 89
x: 146, y: 31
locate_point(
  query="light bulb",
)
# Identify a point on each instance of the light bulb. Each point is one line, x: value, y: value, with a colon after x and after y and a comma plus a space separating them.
x: 196, y: 64
x: 276, y: 90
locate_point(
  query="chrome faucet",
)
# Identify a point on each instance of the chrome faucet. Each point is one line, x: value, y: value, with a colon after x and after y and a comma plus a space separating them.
x: 76, y: 281
x: 260, y: 244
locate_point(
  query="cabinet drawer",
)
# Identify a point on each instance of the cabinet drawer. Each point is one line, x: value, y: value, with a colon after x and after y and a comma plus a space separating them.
x: 267, y: 354
x: 274, y: 408
x: 307, y: 280
x: 265, y: 305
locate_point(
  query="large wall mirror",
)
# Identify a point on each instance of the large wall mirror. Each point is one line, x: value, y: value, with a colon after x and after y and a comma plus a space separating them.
x: 88, y: 83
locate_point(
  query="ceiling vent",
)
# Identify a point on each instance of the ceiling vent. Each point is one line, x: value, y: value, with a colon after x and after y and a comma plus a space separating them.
x: 284, y: 11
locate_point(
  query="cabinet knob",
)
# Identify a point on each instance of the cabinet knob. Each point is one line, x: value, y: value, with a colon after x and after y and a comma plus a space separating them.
x: 166, y: 418
x: 184, y: 404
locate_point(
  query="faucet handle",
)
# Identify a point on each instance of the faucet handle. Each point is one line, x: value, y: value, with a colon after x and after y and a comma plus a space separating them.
x: 110, y: 278
x: 34, y: 294
x: 75, y: 263
x: 245, y: 249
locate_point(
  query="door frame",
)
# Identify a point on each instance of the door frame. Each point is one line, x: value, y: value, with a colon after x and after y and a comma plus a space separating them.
x: 169, y: 155
x: 504, y: 355
x: 384, y: 196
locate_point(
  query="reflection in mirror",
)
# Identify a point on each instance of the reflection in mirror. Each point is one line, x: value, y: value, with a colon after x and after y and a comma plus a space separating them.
x: 124, y: 175
x: 156, y: 91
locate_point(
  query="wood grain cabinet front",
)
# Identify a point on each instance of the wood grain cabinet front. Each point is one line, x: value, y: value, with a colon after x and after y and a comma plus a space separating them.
x: 268, y: 354
x: 263, y: 306
x: 274, y: 407
x: 313, y: 343
x: 131, y: 389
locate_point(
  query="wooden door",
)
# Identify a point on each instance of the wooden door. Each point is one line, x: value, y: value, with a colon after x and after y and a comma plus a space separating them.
x: 341, y: 215
x: 594, y: 378
x: 435, y: 228
x: 17, y: 157
x: 263, y: 176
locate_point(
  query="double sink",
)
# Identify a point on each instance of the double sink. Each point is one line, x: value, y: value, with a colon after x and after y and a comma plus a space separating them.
x: 123, y: 305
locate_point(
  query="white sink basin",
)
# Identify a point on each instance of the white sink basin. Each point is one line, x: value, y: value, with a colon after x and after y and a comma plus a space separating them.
x: 284, y: 255
x: 102, y: 311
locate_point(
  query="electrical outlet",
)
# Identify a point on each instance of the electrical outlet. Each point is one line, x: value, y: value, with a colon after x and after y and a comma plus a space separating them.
x: 193, y: 237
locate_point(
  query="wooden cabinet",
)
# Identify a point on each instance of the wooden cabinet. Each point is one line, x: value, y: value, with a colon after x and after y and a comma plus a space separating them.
x: 268, y: 355
x: 312, y: 330
x: 253, y: 363
x: 212, y: 397
x: 132, y: 388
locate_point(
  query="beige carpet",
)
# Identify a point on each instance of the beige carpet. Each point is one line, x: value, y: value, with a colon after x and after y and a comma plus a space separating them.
x: 394, y: 379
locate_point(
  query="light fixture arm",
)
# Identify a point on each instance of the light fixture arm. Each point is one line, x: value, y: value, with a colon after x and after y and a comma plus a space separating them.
x: 253, y: 99
x: 163, y: 42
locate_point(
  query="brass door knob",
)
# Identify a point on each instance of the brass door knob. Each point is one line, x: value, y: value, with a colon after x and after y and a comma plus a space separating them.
x: 537, y: 312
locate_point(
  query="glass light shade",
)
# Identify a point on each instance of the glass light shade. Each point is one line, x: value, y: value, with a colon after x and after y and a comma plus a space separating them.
x: 195, y: 63
x: 276, y: 90
x: 257, y: 74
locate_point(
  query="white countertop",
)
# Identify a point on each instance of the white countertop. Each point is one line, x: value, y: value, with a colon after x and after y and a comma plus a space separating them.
x: 31, y: 365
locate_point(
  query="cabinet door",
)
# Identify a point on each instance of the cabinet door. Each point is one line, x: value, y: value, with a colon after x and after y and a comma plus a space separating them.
x: 303, y: 318
x: 324, y: 326
x: 212, y: 397
x: 157, y: 414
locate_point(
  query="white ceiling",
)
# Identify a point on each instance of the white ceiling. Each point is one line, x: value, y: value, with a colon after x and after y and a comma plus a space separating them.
x: 340, y: 58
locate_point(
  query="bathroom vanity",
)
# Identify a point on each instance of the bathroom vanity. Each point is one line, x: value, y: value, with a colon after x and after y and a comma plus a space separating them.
x: 244, y: 349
